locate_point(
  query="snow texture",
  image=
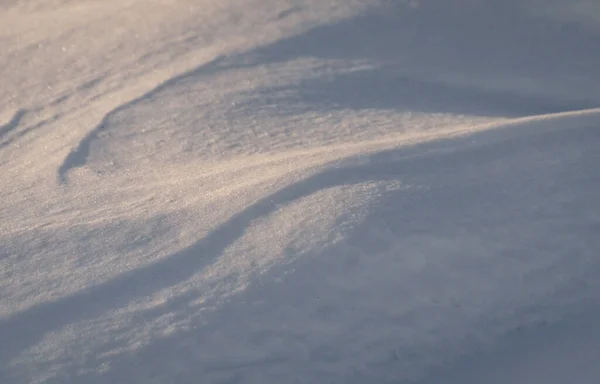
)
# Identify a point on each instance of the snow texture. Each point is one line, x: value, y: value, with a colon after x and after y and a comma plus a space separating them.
x: 300, y: 191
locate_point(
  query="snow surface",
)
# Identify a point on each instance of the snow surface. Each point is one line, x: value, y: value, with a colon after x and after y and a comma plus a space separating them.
x: 299, y: 191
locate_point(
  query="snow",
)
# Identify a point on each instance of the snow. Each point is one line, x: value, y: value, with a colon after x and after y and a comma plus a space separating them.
x: 299, y: 191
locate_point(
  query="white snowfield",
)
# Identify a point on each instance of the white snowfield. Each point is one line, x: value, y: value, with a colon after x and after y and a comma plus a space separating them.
x: 300, y: 191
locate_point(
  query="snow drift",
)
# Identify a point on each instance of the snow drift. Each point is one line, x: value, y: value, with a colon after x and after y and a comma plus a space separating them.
x: 299, y: 191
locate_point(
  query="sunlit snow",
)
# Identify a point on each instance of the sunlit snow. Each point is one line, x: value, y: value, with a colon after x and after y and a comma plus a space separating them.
x: 300, y: 191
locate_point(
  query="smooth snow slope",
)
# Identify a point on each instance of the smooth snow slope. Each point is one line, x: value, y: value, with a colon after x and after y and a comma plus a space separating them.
x: 299, y: 191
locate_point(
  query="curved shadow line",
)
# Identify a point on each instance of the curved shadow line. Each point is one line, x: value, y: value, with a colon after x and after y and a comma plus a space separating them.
x: 24, y: 329
x: 79, y: 155
x: 13, y: 123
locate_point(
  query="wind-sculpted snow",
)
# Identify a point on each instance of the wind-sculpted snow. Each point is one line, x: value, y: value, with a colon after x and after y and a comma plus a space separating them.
x: 78, y: 156
x: 476, y: 215
x: 274, y: 191
x: 395, y: 60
